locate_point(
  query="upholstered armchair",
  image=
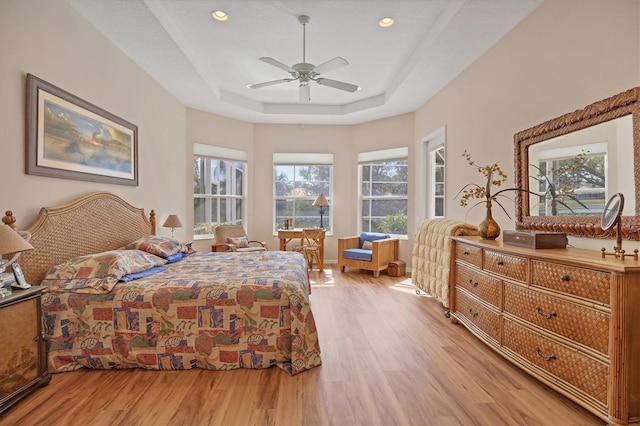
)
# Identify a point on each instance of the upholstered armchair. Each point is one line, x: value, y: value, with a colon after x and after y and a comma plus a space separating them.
x: 370, y: 251
x: 234, y: 238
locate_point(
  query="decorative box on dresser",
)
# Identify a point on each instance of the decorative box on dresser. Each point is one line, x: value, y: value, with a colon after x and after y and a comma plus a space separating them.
x: 565, y: 316
x: 23, y: 358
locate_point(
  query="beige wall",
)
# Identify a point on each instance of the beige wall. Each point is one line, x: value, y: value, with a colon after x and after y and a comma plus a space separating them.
x: 382, y: 134
x: 272, y: 138
x: 565, y: 55
x: 51, y: 41
x: 344, y: 142
x: 215, y: 130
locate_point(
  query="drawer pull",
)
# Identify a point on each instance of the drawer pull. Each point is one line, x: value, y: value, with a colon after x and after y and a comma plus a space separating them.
x: 500, y: 263
x: 551, y: 314
x: 544, y: 358
x: 466, y: 253
x: 564, y: 277
x: 473, y: 284
x: 473, y: 314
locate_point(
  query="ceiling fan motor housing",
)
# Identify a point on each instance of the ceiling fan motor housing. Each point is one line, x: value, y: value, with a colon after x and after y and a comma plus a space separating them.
x: 304, y: 19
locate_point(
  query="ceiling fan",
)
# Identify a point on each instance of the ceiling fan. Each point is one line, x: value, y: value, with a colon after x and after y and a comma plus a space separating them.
x: 305, y: 72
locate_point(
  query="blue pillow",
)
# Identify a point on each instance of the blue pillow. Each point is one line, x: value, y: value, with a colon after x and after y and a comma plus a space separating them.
x: 174, y: 257
x: 372, y: 236
x: 151, y: 271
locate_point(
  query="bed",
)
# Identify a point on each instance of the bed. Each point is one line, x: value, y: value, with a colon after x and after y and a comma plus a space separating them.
x: 216, y: 311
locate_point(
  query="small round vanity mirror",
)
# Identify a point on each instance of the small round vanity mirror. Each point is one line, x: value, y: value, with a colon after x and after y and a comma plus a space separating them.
x: 612, y: 211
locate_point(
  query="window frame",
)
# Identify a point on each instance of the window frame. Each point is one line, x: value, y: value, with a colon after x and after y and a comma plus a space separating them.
x: 378, y: 158
x: 304, y: 160
x: 232, y: 158
x: 432, y: 168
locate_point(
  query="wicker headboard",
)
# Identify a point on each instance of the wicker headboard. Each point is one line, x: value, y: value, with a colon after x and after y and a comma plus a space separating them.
x: 96, y: 222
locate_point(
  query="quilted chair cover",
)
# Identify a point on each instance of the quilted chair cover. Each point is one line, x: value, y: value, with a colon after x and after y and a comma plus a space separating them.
x: 431, y: 257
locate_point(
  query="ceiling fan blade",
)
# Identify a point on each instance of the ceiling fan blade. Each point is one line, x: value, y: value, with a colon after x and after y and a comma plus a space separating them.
x: 337, y: 84
x: 269, y: 83
x: 305, y: 92
x: 278, y: 64
x: 330, y: 65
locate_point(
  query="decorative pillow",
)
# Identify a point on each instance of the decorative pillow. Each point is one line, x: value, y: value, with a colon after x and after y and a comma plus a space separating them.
x: 99, y: 273
x: 371, y: 236
x: 239, y: 242
x: 367, y: 245
x: 160, y: 246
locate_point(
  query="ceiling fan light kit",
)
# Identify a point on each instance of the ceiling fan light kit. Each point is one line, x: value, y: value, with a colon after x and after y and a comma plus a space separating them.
x: 305, y: 72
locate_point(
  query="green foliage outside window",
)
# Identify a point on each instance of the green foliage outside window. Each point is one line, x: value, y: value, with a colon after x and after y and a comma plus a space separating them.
x: 384, y: 189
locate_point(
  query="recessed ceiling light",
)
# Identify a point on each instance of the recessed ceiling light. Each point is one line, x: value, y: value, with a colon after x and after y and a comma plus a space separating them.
x: 219, y: 15
x: 386, y: 22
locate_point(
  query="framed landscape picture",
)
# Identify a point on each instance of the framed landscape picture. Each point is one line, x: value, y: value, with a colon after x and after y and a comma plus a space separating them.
x: 70, y: 138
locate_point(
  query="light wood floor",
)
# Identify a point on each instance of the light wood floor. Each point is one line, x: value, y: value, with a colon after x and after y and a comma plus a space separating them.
x: 390, y: 357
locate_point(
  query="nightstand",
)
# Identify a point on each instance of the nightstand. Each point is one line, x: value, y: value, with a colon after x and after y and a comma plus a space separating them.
x: 23, y: 353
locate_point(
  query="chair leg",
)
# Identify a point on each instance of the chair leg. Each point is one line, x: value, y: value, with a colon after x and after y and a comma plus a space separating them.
x: 316, y: 256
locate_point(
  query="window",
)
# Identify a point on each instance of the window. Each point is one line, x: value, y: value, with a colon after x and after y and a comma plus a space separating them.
x: 383, y: 177
x: 436, y: 182
x: 430, y: 193
x: 219, y: 194
x: 299, y: 179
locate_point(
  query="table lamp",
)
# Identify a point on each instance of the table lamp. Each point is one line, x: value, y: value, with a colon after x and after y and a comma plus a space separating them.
x: 321, y: 202
x: 172, y: 222
x: 11, y: 242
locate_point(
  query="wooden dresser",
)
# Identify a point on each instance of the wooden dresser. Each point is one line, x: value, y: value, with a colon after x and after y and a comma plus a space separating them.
x: 565, y: 316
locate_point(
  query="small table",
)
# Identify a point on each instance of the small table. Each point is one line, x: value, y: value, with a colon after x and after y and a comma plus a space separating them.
x: 286, y: 235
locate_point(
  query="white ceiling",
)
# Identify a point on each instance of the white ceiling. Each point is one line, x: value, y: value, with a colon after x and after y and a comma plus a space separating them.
x: 206, y: 64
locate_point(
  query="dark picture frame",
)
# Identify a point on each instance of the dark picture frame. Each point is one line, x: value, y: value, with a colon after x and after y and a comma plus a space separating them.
x: 70, y: 138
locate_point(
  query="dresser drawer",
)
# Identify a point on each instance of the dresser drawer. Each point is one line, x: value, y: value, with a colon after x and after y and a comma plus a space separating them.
x: 578, y: 369
x: 578, y: 323
x: 586, y: 283
x: 484, y: 318
x: 507, y: 265
x: 469, y: 254
x: 485, y: 287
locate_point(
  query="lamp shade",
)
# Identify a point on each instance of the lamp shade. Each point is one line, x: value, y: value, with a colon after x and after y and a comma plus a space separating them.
x: 11, y: 241
x: 172, y: 222
x: 321, y: 201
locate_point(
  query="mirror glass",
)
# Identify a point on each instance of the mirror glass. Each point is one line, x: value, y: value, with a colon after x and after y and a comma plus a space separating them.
x: 575, y: 174
x: 571, y: 166
x: 612, y: 211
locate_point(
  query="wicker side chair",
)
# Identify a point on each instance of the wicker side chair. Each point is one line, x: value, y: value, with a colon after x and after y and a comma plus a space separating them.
x: 310, y: 246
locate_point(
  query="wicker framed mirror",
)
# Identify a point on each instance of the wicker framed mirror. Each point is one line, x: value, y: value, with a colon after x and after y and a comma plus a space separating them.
x: 575, y: 163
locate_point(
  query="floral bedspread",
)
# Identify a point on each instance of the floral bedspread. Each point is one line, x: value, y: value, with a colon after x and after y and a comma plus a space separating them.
x: 215, y: 311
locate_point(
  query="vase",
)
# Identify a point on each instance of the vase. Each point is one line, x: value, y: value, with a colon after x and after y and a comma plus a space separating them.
x: 489, y: 228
